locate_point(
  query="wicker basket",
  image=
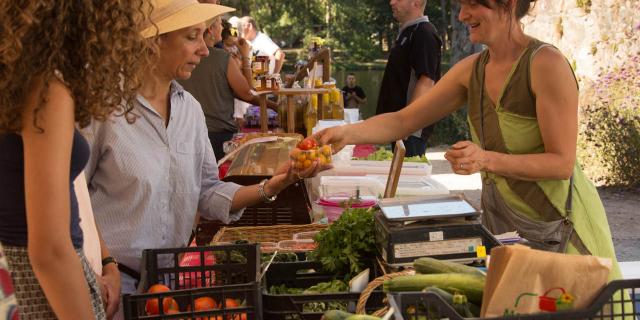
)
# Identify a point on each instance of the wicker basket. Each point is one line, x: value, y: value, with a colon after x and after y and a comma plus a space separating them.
x: 264, y: 233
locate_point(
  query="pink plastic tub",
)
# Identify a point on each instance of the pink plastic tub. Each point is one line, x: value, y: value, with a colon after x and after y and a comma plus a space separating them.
x: 333, y: 208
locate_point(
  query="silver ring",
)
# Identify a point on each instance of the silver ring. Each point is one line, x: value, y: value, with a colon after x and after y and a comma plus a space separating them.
x: 461, y: 166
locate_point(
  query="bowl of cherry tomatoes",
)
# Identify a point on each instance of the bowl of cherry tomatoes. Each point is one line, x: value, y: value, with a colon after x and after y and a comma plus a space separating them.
x: 307, y: 151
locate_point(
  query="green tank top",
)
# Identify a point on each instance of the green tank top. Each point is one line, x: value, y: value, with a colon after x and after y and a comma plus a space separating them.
x: 511, y: 127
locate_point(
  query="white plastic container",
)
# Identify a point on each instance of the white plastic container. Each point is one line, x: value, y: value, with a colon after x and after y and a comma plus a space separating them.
x: 364, y: 167
x: 340, y: 188
x: 413, y: 185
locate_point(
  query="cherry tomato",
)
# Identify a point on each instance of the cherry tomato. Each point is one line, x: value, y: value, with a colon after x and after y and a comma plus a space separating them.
x: 326, y: 150
x: 307, y: 144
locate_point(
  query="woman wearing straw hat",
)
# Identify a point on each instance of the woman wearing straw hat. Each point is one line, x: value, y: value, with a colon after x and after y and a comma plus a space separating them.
x: 147, y: 180
x: 48, y: 88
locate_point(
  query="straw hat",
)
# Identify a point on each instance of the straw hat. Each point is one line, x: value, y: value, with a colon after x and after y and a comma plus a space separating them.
x: 171, y: 15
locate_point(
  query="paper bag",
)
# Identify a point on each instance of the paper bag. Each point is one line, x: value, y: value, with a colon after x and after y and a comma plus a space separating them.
x: 521, y: 280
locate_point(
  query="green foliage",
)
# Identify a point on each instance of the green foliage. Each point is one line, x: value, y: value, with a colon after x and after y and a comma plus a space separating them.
x: 360, y: 30
x: 383, y: 154
x: 609, y: 143
x: 287, y: 22
x: 346, y: 245
x: 357, y: 31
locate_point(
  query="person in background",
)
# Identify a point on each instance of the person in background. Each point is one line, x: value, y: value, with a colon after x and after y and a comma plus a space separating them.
x: 230, y: 41
x: 49, y: 88
x: 230, y: 45
x: 413, y: 67
x: 354, y: 96
x: 148, y: 179
x: 216, y: 82
x: 523, y: 112
x: 261, y: 43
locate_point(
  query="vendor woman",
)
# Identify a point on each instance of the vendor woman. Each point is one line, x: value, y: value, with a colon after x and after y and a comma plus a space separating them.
x: 523, y: 113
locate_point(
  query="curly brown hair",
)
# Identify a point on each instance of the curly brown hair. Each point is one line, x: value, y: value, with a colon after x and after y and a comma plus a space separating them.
x: 94, y: 44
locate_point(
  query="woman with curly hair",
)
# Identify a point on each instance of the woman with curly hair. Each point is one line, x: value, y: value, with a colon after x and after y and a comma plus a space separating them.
x: 60, y: 67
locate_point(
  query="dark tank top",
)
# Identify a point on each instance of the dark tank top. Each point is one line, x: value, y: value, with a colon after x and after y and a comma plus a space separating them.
x: 13, y: 219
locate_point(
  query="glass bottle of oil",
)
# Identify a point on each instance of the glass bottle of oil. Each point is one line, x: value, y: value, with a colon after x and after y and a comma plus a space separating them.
x: 337, y: 104
x: 311, y: 116
x: 327, y: 108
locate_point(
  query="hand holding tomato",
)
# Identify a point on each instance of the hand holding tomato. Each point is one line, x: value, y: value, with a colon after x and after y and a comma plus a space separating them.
x: 307, y: 143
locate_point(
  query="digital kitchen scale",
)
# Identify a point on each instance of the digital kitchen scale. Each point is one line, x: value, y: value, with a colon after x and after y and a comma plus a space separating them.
x: 440, y: 227
x: 444, y: 227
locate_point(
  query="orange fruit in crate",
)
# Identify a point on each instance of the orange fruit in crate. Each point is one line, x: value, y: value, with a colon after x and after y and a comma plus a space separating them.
x: 242, y: 316
x: 152, y: 307
x: 231, y: 304
x: 204, y: 303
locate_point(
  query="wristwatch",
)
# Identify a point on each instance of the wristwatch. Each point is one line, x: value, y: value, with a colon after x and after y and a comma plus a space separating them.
x: 263, y: 194
x: 108, y: 260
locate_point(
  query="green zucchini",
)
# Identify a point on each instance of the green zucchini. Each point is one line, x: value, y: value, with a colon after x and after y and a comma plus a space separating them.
x: 446, y: 296
x: 362, y: 317
x: 471, y: 285
x: 431, y: 266
x: 461, y: 305
x: 336, y: 315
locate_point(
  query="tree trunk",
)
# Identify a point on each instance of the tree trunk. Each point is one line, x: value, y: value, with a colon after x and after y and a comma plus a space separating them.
x: 461, y: 47
x: 445, y: 27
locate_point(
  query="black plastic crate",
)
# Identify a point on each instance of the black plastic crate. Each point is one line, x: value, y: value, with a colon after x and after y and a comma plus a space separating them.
x: 219, y: 272
x: 234, y: 264
x: 296, y: 306
x: 414, y: 305
x: 248, y: 295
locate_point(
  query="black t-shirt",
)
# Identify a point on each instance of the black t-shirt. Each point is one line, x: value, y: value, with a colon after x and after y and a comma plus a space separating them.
x: 346, y: 91
x: 416, y: 52
x: 13, y: 212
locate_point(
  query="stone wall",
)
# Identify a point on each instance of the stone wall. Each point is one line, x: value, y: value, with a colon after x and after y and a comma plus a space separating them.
x: 593, y: 34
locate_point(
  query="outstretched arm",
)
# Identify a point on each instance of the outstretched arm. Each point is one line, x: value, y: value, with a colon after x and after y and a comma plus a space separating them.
x: 445, y: 97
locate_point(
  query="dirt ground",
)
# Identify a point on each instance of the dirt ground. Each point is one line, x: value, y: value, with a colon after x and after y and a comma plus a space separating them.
x: 622, y: 206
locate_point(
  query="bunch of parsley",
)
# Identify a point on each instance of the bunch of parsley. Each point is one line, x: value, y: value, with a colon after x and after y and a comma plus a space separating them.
x: 347, y: 245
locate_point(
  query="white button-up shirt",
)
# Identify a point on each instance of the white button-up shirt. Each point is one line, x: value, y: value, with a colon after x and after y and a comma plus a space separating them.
x: 148, y: 180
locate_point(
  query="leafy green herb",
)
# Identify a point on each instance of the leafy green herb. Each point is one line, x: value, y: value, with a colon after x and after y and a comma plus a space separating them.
x: 283, y: 289
x: 280, y: 257
x: 346, y: 245
x: 328, y: 287
x: 383, y: 154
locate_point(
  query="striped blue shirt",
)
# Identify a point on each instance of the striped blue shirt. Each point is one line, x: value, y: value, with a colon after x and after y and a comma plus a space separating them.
x: 148, y: 180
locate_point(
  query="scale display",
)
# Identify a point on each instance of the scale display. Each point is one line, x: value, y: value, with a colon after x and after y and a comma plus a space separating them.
x: 436, y: 248
x: 427, y: 209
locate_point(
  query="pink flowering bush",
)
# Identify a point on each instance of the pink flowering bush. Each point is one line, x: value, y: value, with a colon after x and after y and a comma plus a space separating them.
x: 609, y: 142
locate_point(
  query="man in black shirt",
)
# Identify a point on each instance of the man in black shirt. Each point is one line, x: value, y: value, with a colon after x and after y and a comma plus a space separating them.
x: 354, y: 96
x: 413, y: 66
